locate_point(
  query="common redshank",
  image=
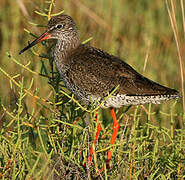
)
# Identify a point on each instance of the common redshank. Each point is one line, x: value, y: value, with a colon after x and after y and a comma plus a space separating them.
x: 92, y: 74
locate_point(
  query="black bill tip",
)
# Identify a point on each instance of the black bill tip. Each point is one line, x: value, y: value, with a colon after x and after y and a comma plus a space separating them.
x: 21, y: 52
x: 39, y: 39
x: 27, y: 47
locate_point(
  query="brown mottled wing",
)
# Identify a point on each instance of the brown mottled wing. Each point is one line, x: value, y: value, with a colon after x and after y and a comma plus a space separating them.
x: 97, y: 73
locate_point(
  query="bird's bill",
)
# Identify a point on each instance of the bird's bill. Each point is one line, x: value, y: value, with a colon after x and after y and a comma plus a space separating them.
x: 43, y: 37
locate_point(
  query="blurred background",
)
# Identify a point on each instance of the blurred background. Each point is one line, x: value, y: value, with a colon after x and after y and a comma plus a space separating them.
x: 140, y: 33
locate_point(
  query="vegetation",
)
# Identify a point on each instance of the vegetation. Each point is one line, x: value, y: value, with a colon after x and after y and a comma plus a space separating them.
x: 45, y: 131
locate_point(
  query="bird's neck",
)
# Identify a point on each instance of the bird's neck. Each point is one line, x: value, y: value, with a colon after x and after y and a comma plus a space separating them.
x: 65, y: 47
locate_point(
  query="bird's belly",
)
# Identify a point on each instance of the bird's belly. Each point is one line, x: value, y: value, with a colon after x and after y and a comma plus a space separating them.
x: 79, y: 92
x: 123, y: 99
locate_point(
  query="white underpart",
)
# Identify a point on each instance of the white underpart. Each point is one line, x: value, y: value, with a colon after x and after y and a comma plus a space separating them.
x: 121, y: 100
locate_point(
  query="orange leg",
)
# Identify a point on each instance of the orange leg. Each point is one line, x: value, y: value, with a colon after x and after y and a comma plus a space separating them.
x: 113, y: 138
x: 89, y: 159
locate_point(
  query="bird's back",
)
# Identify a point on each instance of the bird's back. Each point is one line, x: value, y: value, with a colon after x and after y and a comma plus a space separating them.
x: 93, y: 74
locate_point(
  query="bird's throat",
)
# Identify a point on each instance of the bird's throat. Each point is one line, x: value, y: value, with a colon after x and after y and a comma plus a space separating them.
x: 65, y: 47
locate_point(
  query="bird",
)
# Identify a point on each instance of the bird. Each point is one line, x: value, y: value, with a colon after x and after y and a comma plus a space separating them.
x: 94, y: 75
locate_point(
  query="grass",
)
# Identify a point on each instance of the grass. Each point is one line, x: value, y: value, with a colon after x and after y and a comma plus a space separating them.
x: 45, y: 132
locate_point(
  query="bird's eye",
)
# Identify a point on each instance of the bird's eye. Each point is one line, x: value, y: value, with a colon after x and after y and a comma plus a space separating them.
x: 59, y: 26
